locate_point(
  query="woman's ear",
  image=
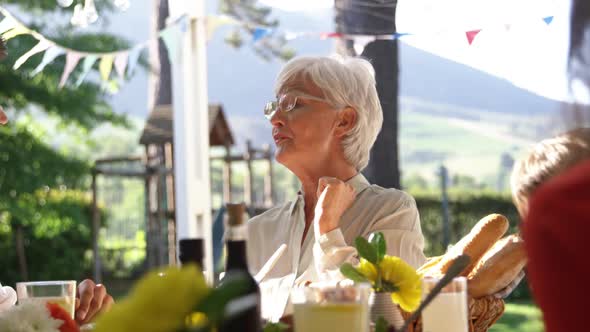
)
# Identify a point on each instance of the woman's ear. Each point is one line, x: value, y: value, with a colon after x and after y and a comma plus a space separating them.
x: 346, y: 121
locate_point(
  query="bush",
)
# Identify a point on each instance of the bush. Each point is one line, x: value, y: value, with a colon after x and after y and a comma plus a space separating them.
x: 57, y: 232
x: 465, y: 209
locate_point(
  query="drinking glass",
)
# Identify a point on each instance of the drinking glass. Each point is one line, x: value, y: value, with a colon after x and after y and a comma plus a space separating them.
x: 62, y: 293
x: 331, y: 308
x: 448, y: 310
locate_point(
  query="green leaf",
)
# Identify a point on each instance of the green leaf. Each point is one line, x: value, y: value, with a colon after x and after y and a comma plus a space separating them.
x: 366, y: 250
x: 213, y: 305
x: 377, y: 240
x: 351, y: 273
x: 381, y: 325
x: 388, y: 287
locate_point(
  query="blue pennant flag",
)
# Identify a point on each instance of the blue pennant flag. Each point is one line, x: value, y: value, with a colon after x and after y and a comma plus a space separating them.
x: 548, y: 19
x: 398, y: 35
x: 260, y: 33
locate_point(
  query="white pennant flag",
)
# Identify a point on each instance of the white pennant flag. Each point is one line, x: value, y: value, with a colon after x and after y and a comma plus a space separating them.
x: 7, y: 23
x: 171, y: 38
x: 72, y: 59
x: 121, y: 63
x: 132, y: 58
x: 41, y: 46
x: 50, y: 55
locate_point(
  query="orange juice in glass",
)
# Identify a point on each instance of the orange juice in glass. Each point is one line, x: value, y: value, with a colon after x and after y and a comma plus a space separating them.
x: 62, y: 293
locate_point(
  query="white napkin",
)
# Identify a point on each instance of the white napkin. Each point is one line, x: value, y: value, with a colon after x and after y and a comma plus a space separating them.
x: 7, y: 297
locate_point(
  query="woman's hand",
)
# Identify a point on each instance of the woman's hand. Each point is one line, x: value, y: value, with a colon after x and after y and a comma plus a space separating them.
x: 334, y: 197
x: 92, y: 301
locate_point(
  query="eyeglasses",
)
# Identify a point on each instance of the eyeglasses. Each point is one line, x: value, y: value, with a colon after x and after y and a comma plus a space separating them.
x: 286, y: 102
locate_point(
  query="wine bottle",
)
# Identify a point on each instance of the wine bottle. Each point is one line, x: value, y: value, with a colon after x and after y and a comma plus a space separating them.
x: 243, y: 312
x: 191, y: 251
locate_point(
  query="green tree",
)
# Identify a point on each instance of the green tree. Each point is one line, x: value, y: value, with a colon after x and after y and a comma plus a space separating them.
x: 256, y: 16
x: 30, y: 168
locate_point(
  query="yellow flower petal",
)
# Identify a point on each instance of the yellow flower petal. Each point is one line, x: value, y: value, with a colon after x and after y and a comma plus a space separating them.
x: 405, y: 278
x: 159, y: 302
x: 368, y: 270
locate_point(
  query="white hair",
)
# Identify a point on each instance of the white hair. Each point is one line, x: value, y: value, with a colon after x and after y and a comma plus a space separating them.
x: 344, y: 81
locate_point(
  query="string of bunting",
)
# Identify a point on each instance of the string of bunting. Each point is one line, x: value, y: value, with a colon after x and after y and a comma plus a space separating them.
x: 124, y: 61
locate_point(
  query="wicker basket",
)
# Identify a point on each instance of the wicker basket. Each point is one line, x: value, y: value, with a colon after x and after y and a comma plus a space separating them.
x: 483, y: 312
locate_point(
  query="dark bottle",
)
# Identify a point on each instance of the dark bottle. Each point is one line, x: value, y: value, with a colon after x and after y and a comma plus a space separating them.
x: 191, y: 251
x: 247, y: 320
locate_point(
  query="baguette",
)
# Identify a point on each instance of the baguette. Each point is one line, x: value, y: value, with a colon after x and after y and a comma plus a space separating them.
x: 498, y: 267
x: 475, y: 244
x: 430, y: 263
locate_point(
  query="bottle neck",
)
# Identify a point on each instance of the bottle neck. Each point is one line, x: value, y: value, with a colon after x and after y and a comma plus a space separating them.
x: 236, y: 255
x: 235, y: 238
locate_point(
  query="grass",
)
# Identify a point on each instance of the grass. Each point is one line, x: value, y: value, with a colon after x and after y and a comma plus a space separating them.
x: 521, y: 317
x: 464, y: 151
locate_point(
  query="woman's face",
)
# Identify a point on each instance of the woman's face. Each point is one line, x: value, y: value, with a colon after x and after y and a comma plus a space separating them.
x: 304, y: 135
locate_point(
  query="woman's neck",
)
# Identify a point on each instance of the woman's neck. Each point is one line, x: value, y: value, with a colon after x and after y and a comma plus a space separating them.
x: 309, y: 185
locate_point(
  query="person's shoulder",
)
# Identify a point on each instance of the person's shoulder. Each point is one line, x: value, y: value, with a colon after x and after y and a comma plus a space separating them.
x: 272, y: 214
x: 390, y: 196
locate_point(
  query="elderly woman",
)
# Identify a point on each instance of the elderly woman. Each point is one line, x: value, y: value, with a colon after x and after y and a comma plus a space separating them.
x: 326, y: 118
x: 92, y: 299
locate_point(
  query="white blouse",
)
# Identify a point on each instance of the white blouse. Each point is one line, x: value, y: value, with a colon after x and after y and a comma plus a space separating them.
x: 375, y: 209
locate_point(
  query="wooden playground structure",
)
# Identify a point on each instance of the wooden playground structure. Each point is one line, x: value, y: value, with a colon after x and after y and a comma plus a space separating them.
x: 156, y: 168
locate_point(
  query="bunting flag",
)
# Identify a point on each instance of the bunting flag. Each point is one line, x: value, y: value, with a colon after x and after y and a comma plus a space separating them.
x: 50, y: 54
x: 41, y: 46
x: 120, y: 64
x: 7, y: 23
x: 86, y: 66
x: 132, y: 58
x: 398, y: 35
x: 326, y: 35
x: 471, y: 35
x: 214, y: 22
x: 105, y: 66
x: 548, y: 19
x: 16, y: 31
x: 72, y: 59
x: 125, y: 61
x: 171, y: 38
x: 260, y: 33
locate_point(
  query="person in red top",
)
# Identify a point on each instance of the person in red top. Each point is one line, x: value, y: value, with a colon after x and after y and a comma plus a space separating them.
x: 556, y: 234
x: 557, y: 227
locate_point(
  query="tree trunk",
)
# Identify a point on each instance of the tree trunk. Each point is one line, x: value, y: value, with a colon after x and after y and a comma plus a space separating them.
x: 383, y: 168
x: 376, y: 17
x: 160, y: 86
x: 159, y: 93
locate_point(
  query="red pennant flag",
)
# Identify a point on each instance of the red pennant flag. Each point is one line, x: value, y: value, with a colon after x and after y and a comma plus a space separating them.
x: 326, y: 35
x: 471, y: 35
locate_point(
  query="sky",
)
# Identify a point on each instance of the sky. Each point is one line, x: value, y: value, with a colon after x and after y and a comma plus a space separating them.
x: 515, y: 43
x: 530, y: 54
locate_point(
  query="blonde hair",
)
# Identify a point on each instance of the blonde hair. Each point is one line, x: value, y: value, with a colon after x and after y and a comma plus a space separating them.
x: 344, y: 81
x: 547, y: 159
